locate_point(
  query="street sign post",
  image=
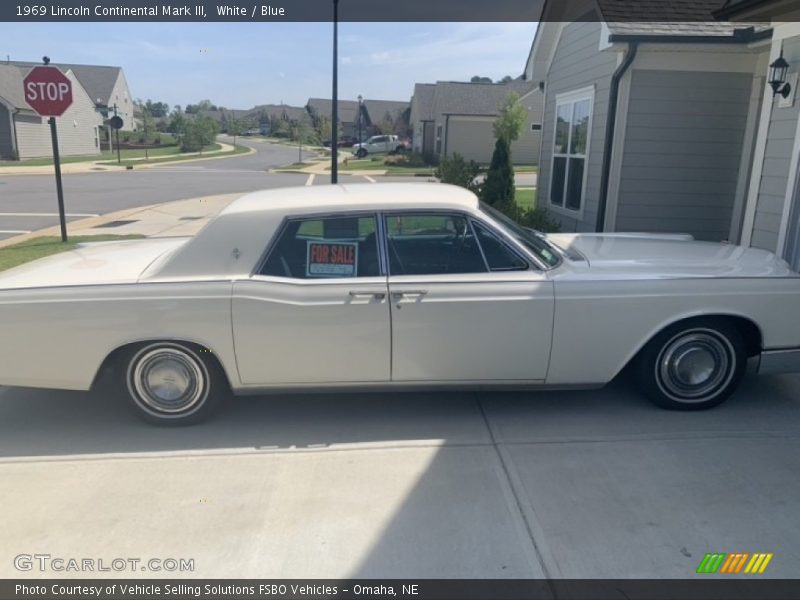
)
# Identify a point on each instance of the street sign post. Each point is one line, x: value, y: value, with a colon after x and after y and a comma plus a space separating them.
x: 49, y: 93
x: 116, y: 124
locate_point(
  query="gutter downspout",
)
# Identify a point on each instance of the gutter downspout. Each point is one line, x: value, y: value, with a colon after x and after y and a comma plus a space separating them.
x: 613, y: 96
x: 446, y: 133
x: 14, y: 138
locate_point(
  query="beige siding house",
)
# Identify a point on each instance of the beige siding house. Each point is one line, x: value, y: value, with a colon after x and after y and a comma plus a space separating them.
x: 451, y: 117
x: 648, y: 126
x: 23, y: 134
x: 96, y: 91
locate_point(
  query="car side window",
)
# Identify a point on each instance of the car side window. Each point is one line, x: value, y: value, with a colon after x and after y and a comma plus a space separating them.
x: 432, y: 244
x: 318, y: 248
x: 498, y: 255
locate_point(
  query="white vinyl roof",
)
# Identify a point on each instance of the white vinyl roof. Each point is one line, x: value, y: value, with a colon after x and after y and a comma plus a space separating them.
x: 368, y: 196
x: 232, y: 243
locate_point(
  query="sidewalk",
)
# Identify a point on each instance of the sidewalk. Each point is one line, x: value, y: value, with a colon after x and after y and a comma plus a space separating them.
x: 171, y: 219
x: 102, y: 163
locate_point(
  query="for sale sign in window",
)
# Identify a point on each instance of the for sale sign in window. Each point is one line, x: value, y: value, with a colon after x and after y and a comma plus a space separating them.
x: 332, y: 259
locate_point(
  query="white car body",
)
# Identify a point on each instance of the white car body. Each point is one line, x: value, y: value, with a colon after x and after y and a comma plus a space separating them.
x: 576, y: 324
x: 379, y: 144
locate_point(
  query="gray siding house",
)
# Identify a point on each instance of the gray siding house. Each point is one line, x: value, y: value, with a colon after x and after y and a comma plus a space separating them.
x: 648, y: 126
x: 772, y: 211
x: 457, y: 117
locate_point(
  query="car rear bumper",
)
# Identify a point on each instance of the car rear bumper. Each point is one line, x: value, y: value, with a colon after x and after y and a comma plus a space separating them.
x: 779, y: 361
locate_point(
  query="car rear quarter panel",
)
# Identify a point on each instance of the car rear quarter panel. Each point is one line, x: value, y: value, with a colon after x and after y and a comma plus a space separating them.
x: 59, y: 337
x: 601, y: 324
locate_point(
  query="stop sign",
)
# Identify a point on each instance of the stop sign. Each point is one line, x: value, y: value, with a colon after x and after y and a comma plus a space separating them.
x: 48, y: 91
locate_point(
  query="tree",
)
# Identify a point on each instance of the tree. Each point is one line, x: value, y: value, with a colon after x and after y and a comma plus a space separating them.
x: 177, y: 122
x: 302, y: 133
x: 233, y: 127
x: 386, y: 125
x: 279, y: 127
x: 148, y: 129
x: 156, y: 109
x: 198, y: 132
x: 506, y: 79
x: 510, y: 119
x: 193, y: 109
x: 479, y: 79
x: 498, y: 189
x: 324, y: 129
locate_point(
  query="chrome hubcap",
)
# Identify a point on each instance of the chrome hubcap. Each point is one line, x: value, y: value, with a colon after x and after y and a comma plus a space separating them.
x: 695, y: 365
x: 168, y: 380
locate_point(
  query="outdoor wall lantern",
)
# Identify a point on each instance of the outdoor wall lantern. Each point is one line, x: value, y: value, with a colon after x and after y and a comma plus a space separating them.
x: 777, y: 77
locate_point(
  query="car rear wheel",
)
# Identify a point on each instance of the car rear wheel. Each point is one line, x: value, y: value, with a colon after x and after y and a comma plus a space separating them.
x: 171, y: 383
x: 693, y: 365
x: 361, y: 153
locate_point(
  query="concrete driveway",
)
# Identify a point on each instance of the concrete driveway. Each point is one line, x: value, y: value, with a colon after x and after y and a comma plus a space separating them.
x: 497, y: 485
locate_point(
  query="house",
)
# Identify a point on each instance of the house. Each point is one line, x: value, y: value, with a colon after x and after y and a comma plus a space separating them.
x: 259, y: 116
x: 107, y: 87
x: 772, y: 210
x: 652, y: 125
x: 347, y: 110
x: 457, y: 117
x: 378, y: 114
x: 24, y: 134
x: 422, y: 122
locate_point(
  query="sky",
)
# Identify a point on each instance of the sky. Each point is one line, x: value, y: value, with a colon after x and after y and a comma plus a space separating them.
x: 239, y: 65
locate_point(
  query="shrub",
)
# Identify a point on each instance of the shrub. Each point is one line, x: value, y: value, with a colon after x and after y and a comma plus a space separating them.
x: 499, y: 185
x: 410, y: 159
x: 537, y: 218
x: 457, y: 171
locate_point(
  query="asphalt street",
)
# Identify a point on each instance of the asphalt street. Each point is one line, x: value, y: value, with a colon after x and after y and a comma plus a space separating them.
x: 28, y: 202
x: 570, y: 484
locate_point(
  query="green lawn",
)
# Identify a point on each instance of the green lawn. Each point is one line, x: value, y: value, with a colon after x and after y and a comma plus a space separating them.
x: 180, y: 157
x: 367, y: 164
x: 526, y: 169
x: 168, y: 148
x: 526, y: 198
x: 12, y: 256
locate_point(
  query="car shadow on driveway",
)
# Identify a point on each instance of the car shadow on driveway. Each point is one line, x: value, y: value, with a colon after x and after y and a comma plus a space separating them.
x: 559, y: 484
x: 57, y: 423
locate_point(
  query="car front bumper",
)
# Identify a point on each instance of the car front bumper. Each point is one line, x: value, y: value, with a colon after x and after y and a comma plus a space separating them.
x: 779, y: 361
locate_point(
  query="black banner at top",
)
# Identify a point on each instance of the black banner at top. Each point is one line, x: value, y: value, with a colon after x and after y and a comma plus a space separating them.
x: 31, y: 11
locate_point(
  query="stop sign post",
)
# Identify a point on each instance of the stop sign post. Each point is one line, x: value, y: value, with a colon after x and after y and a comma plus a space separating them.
x: 49, y: 93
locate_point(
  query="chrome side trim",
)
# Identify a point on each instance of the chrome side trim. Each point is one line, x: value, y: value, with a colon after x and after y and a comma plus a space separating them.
x: 780, y: 361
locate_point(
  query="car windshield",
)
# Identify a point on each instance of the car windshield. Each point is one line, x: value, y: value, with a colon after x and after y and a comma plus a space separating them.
x: 533, y: 240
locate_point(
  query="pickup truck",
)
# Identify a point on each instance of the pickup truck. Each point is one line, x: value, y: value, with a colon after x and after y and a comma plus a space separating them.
x: 379, y: 144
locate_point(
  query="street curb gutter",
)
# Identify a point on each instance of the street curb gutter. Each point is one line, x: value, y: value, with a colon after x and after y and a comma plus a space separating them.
x: 97, y: 167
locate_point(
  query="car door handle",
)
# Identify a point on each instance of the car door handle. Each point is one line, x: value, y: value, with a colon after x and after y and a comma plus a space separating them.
x: 400, y: 294
x: 360, y: 294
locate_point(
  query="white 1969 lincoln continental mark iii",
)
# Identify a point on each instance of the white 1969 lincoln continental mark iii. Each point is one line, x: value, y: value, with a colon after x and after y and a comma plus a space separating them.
x: 393, y: 286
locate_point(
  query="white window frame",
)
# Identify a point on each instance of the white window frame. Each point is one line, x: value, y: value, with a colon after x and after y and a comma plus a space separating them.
x: 571, y: 97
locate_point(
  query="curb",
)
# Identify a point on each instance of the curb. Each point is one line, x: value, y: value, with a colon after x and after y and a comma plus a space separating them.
x: 112, y: 168
x: 80, y: 223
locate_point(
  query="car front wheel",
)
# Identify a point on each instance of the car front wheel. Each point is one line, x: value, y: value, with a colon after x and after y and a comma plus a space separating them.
x: 171, y: 383
x: 361, y: 153
x: 693, y: 365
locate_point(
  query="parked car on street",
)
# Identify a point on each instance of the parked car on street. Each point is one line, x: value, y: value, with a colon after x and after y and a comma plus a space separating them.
x: 393, y: 286
x: 379, y: 144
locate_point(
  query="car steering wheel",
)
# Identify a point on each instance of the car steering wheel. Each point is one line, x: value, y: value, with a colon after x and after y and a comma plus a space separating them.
x: 458, y: 247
